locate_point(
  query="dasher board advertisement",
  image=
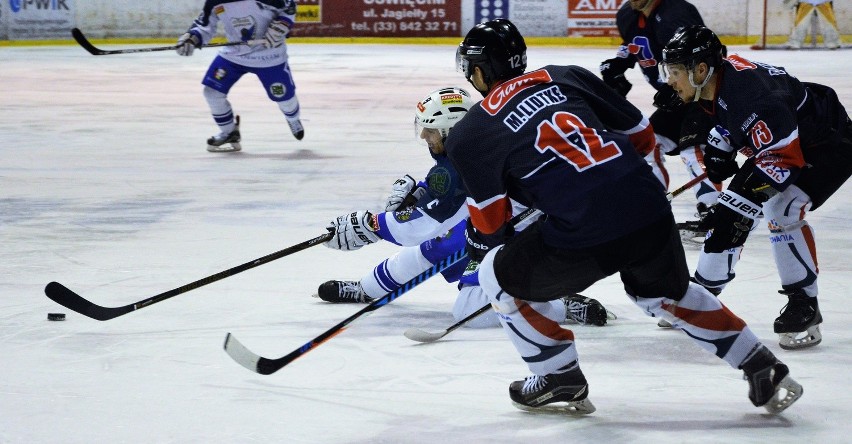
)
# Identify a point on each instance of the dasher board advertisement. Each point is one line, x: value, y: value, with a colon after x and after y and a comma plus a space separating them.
x: 378, y: 18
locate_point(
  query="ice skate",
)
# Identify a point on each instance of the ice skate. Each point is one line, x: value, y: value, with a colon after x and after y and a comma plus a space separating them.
x: 538, y: 393
x: 226, y: 143
x: 586, y: 311
x: 798, y: 324
x: 693, y: 232
x: 297, y: 129
x: 343, y: 292
x: 767, y: 377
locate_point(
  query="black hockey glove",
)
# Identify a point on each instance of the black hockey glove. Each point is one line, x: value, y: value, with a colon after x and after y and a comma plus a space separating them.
x: 695, y: 128
x: 667, y: 99
x: 719, y: 164
x: 612, y: 72
x: 738, y: 209
x: 476, y: 244
x: 730, y: 227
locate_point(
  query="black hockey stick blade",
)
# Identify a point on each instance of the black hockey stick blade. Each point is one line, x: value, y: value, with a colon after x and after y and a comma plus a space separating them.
x: 69, y: 299
x: 267, y: 366
x: 88, y: 46
x: 416, y: 334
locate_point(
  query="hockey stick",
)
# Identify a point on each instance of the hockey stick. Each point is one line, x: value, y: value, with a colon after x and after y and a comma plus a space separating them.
x: 67, y: 298
x: 267, y: 366
x: 416, y: 334
x: 88, y: 46
x: 686, y: 186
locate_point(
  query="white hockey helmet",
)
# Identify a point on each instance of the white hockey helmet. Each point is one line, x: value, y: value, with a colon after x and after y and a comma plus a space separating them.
x: 441, y: 110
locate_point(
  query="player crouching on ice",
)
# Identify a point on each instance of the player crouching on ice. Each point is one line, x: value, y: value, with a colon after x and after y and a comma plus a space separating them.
x: 578, y: 158
x: 798, y: 140
x: 428, y: 220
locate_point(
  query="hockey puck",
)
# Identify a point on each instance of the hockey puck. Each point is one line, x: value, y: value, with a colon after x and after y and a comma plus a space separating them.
x: 56, y: 316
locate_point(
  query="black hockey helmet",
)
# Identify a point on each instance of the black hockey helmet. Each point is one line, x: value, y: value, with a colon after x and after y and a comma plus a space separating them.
x: 692, y: 45
x: 496, y: 47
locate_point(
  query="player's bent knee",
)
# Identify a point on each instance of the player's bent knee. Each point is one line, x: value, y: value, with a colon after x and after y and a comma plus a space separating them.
x: 500, y: 300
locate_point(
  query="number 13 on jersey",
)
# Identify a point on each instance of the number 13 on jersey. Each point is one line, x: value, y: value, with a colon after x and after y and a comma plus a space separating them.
x: 581, y: 146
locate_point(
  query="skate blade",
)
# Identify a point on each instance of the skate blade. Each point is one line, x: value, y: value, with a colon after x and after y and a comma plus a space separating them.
x: 573, y: 408
x: 691, y: 238
x: 792, y: 392
x: 610, y: 316
x: 796, y: 341
x: 234, y: 147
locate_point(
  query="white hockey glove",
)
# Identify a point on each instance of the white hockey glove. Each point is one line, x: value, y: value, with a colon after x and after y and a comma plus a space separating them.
x: 187, y: 43
x: 352, y: 231
x: 403, y: 188
x: 275, y: 35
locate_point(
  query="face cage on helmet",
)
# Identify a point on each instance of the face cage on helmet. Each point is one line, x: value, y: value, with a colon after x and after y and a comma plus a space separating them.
x: 419, y: 127
x: 663, y: 69
x: 463, y: 64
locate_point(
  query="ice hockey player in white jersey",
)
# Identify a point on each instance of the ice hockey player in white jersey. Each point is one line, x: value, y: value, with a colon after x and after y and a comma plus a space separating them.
x: 264, y: 26
x: 428, y: 220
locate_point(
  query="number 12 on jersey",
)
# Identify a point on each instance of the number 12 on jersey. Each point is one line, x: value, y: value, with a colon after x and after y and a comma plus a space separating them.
x: 574, y: 142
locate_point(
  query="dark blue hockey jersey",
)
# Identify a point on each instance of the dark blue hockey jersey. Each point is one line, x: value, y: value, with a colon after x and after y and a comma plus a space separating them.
x: 560, y: 140
x: 765, y: 113
x: 643, y: 38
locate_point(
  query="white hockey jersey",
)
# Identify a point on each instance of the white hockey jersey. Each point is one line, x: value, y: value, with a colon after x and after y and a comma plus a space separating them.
x: 244, y: 20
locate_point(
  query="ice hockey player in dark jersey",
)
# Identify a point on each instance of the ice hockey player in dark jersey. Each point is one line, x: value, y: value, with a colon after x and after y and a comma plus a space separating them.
x: 645, y: 26
x: 797, y: 137
x: 428, y: 220
x: 264, y: 26
x: 560, y: 140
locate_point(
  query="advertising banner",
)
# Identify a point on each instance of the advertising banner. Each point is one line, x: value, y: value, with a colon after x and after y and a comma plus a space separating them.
x: 532, y: 17
x: 594, y: 18
x: 38, y: 19
x: 378, y: 18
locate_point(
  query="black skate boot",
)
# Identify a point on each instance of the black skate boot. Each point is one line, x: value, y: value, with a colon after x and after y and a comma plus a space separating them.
x: 217, y: 144
x: 297, y: 129
x: 536, y: 393
x: 693, y: 232
x: 586, y: 311
x: 798, y: 325
x: 343, y: 291
x: 766, y: 377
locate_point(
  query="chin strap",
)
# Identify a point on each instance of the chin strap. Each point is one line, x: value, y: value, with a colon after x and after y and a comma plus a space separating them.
x: 702, y: 85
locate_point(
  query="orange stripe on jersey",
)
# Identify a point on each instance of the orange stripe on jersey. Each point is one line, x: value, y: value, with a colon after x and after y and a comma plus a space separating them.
x: 493, y: 216
x: 543, y: 324
x: 808, y: 234
x: 774, y: 161
x: 644, y: 140
x: 716, y: 320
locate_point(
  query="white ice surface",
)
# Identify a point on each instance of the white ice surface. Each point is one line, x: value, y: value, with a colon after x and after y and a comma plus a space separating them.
x: 106, y: 187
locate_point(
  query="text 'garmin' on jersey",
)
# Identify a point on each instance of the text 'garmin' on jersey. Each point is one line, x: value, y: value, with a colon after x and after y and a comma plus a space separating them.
x: 502, y: 94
